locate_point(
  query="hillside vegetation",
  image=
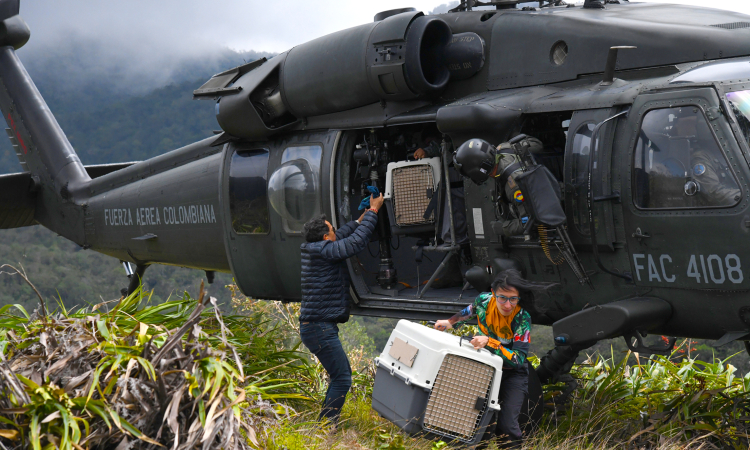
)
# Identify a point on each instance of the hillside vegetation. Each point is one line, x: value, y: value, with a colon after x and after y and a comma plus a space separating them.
x: 108, y: 118
x: 133, y: 374
x: 116, y: 123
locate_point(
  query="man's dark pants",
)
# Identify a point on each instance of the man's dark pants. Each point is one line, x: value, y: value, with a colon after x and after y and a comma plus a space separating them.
x: 322, y: 339
x: 513, y: 390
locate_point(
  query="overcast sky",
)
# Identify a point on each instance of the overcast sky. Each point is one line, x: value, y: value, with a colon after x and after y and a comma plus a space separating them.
x: 144, y: 44
x: 184, y: 26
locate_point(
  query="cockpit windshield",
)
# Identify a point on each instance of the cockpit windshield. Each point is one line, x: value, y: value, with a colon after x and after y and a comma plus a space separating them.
x: 716, y: 71
x: 739, y: 101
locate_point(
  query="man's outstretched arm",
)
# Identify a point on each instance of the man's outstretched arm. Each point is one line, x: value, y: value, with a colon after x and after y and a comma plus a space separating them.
x: 346, y: 230
x: 355, y: 243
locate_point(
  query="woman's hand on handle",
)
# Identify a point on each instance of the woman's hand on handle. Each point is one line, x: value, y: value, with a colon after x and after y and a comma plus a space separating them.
x: 479, y: 341
x: 442, y: 325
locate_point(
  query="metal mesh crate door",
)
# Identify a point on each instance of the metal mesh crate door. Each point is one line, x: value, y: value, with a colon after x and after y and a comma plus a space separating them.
x: 413, y: 188
x: 462, y: 385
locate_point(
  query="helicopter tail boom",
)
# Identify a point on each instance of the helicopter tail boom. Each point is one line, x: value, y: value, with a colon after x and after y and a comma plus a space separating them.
x: 40, y: 144
x: 42, y: 148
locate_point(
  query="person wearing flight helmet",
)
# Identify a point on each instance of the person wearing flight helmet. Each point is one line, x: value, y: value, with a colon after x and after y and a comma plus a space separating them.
x: 478, y: 160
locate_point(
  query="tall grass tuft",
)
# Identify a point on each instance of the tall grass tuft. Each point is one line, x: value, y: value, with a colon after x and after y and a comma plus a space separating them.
x: 180, y: 375
x: 661, y: 402
x: 129, y: 374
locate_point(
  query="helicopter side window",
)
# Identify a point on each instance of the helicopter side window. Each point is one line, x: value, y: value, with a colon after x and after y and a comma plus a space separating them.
x: 580, y: 173
x: 294, y: 187
x: 679, y: 164
x: 740, y: 103
x: 248, y: 198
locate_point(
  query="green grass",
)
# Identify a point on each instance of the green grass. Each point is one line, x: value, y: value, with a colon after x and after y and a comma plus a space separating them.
x: 272, y: 388
x: 664, y: 403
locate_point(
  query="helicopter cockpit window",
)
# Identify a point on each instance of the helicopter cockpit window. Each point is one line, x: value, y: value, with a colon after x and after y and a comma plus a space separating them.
x: 679, y: 164
x: 248, y: 198
x: 294, y: 188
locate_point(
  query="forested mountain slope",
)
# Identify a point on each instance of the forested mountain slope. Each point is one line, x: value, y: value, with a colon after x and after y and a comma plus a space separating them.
x: 108, y: 118
x: 112, y: 118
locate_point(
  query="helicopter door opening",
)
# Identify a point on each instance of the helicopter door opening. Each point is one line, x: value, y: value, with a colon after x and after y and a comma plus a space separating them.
x: 412, y: 243
x: 552, y: 130
x: 685, y: 194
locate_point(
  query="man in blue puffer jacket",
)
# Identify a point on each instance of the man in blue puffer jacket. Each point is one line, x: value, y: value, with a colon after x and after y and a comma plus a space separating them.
x: 325, y: 296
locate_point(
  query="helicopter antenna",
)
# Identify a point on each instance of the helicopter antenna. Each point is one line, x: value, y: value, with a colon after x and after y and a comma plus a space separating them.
x: 609, y: 69
x: 468, y: 5
x: 601, y: 4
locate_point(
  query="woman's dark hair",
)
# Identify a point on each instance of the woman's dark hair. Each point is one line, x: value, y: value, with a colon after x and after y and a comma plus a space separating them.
x: 315, y: 229
x: 512, y: 278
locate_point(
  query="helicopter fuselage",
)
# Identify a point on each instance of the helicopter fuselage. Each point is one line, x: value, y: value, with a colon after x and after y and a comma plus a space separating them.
x: 653, y: 164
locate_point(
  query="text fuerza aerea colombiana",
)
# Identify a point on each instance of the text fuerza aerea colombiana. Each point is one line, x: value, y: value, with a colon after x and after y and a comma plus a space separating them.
x: 168, y: 215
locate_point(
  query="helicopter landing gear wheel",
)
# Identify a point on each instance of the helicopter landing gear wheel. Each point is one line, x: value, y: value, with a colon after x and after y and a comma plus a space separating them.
x: 135, y: 279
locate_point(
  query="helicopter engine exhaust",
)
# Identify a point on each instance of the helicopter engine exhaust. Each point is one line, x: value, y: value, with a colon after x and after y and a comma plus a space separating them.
x: 399, y: 58
x: 403, y: 57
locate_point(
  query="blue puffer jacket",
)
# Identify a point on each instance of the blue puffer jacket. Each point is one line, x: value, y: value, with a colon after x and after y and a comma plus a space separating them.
x: 325, y: 279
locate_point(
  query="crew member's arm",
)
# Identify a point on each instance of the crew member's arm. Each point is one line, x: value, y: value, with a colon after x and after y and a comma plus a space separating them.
x: 513, y: 227
x: 713, y: 188
x: 515, y: 357
x: 358, y: 239
x: 430, y: 150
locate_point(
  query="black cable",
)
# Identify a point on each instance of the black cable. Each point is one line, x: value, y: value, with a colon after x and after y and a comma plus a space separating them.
x: 368, y: 251
x: 399, y: 243
x: 363, y: 267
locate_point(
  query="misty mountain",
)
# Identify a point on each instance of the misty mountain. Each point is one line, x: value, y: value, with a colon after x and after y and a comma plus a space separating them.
x: 74, y: 65
x: 115, y: 112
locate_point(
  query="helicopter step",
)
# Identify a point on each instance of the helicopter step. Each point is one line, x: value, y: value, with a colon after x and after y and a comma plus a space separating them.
x: 611, y: 320
x: 630, y: 318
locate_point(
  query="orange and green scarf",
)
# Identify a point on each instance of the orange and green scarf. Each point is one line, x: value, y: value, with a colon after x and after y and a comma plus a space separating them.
x: 500, y: 324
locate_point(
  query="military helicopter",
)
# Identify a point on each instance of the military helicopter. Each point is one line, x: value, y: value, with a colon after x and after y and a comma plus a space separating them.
x: 643, y: 110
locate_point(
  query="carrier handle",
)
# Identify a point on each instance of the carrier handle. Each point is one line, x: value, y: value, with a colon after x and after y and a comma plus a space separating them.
x: 468, y: 338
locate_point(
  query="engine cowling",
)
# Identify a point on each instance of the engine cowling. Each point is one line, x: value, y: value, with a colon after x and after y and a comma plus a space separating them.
x: 398, y: 58
x: 402, y: 57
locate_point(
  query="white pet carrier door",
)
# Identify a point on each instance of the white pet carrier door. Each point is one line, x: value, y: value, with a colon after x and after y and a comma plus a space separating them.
x: 412, y: 189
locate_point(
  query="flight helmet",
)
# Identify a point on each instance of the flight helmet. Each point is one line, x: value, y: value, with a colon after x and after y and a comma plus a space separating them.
x: 475, y: 159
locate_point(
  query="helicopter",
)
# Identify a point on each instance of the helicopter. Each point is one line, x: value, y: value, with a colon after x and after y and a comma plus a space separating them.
x: 643, y: 110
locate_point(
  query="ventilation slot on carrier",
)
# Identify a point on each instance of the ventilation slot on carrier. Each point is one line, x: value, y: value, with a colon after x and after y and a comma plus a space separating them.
x: 459, y: 398
x: 413, y: 190
x: 732, y: 26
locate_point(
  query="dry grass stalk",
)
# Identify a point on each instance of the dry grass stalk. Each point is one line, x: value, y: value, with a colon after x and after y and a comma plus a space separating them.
x: 125, y: 379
